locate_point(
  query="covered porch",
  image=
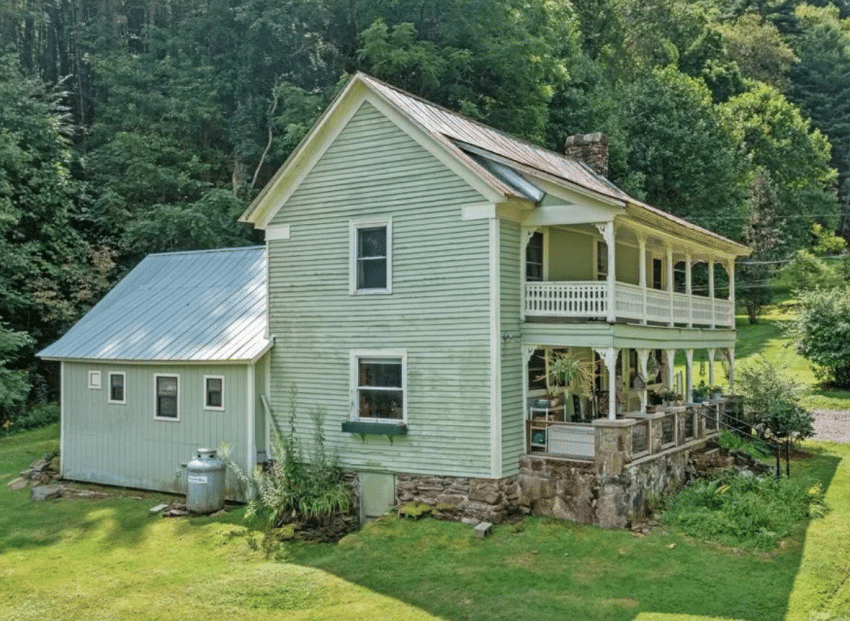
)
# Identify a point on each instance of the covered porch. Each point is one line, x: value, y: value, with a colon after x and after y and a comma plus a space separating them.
x: 624, y: 270
x: 636, y: 388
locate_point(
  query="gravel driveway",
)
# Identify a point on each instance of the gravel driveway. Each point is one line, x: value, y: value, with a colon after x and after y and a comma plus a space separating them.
x: 832, y: 426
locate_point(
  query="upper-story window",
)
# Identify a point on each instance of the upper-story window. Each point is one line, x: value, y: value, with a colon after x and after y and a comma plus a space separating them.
x: 534, y: 258
x: 657, y: 278
x: 371, y: 256
x: 601, y: 260
x: 213, y: 392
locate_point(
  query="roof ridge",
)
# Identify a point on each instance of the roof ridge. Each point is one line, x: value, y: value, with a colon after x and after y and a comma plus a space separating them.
x: 177, y: 252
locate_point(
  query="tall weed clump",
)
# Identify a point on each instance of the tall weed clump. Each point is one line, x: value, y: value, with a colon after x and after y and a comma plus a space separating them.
x: 745, y: 511
x: 295, y: 485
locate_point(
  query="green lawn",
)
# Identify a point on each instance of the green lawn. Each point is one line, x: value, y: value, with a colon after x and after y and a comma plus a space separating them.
x: 768, y: 337
x: 107, y: 559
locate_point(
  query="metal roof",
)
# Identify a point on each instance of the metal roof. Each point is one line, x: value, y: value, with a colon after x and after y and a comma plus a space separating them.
x: 474, y: 143
x: 207, y: 305
x: 446, y: 125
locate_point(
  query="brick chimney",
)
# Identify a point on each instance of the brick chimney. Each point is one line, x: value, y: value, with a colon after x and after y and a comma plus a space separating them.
x: 592, y: 149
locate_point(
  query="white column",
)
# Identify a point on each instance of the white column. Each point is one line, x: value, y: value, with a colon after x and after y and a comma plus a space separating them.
x: 670, y: 282
x: 711, y: 352
x: 731, y: 271
x: 671, y: 358
x: 711, y: 289
x: 525, y: 237
x: 609, y: 359
x: 689, y: 375
x: 730, y: 352
x: 689, y: 289
x: 612, y: 272
x: 643, y: 356
x: 642, y: 273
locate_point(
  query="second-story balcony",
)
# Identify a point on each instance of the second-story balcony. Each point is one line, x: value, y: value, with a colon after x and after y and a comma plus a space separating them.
x: 632, y: 303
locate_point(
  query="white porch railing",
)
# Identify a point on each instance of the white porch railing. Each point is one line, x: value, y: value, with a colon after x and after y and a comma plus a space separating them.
x: 589, y: 300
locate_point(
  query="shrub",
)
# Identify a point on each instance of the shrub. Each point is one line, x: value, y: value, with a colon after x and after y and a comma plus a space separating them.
x: 772, y: 400
x: 294, y: 485
x: 737, y: 442
x: 747, y: 511
x: 822, y: 332
x: 39, y: 415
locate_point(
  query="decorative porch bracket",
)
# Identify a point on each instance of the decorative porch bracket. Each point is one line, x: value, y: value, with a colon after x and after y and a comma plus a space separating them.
x: 608, y: 356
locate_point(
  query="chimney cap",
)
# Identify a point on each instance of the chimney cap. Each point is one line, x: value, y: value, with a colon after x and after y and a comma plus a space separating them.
x: 585, y: 139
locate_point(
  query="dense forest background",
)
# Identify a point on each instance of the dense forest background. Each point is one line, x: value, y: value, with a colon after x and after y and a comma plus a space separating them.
x: 137, y: 126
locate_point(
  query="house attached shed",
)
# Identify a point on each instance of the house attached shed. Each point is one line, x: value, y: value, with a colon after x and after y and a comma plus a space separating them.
x: 173, y: 359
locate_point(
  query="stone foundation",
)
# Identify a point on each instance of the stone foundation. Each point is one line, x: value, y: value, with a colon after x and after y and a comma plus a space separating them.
x: 606, y: 492
x: 474, y: 500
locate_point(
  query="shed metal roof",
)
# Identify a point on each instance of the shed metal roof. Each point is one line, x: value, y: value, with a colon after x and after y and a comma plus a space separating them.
x: 207, y: 305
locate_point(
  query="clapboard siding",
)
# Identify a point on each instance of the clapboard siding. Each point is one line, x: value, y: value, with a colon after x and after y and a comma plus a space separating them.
x: 438, y: 311
x: 123, y: 445
x: 512, y: 356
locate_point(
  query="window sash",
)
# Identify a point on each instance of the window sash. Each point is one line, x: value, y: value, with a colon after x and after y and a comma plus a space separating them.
x: 534, y: 258
x: 167, y: 393
x: 371, y: 258
x: 380, y: 388
x: 116, y: 387
x: 214, y: 390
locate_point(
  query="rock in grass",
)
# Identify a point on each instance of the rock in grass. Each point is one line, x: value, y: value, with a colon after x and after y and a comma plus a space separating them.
x: 46, y: 492
x: 19, y: 483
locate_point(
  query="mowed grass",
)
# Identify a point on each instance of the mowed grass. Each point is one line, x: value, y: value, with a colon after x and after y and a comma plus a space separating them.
x: 769, y: 338
x: 107, y: 559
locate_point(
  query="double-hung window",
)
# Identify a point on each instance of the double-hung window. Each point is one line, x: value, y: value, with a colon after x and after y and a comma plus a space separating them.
x: 371, y: 256
x: 117, y: 381
x: 379, y: 381
x: 167, y: 394
x: 213, y: 392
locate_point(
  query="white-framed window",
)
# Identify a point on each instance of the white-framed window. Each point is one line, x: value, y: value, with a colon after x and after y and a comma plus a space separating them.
x: 371, y: 244
x: 601, y: 260
x: 534, y: 269
x: 117, y: 387
x: 94, y: 380
x: 167, y: 397
x: 379, y: 386
x: 213, y: 392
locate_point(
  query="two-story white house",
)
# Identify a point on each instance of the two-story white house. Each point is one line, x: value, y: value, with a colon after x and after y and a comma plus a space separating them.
x: 422, y: 269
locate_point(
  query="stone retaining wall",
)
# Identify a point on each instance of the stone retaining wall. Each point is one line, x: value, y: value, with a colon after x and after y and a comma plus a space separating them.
x: 475, y: 500
x: 579, y: 491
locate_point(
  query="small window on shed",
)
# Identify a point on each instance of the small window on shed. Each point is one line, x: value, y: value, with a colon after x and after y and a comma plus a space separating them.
x: 167, y: 389
x: 94, y: 380
x: 116, y: 387
x: 213, y: 392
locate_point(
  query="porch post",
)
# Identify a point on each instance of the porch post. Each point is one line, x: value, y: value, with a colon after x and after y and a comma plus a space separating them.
x: 642, y: 274
x: 689, y: 375
x: 689, y: 288
x: 730, y: 352
x: 608, y: 234
x: 671, y: 358
x: 731, y: 270
x: 670, y: 283
x: 711, y: 289
x: 711, y: 351
x: 525, y: 237
x: 609, y: 359
x: 643, y: 356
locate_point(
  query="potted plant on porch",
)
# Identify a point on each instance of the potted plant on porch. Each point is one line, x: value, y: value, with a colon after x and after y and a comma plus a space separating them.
x: 569, y: 374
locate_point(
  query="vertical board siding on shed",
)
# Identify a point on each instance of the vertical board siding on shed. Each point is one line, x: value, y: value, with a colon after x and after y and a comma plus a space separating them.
x: 512, y: 356
x: 438, y: 311
x: 123, y: 444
